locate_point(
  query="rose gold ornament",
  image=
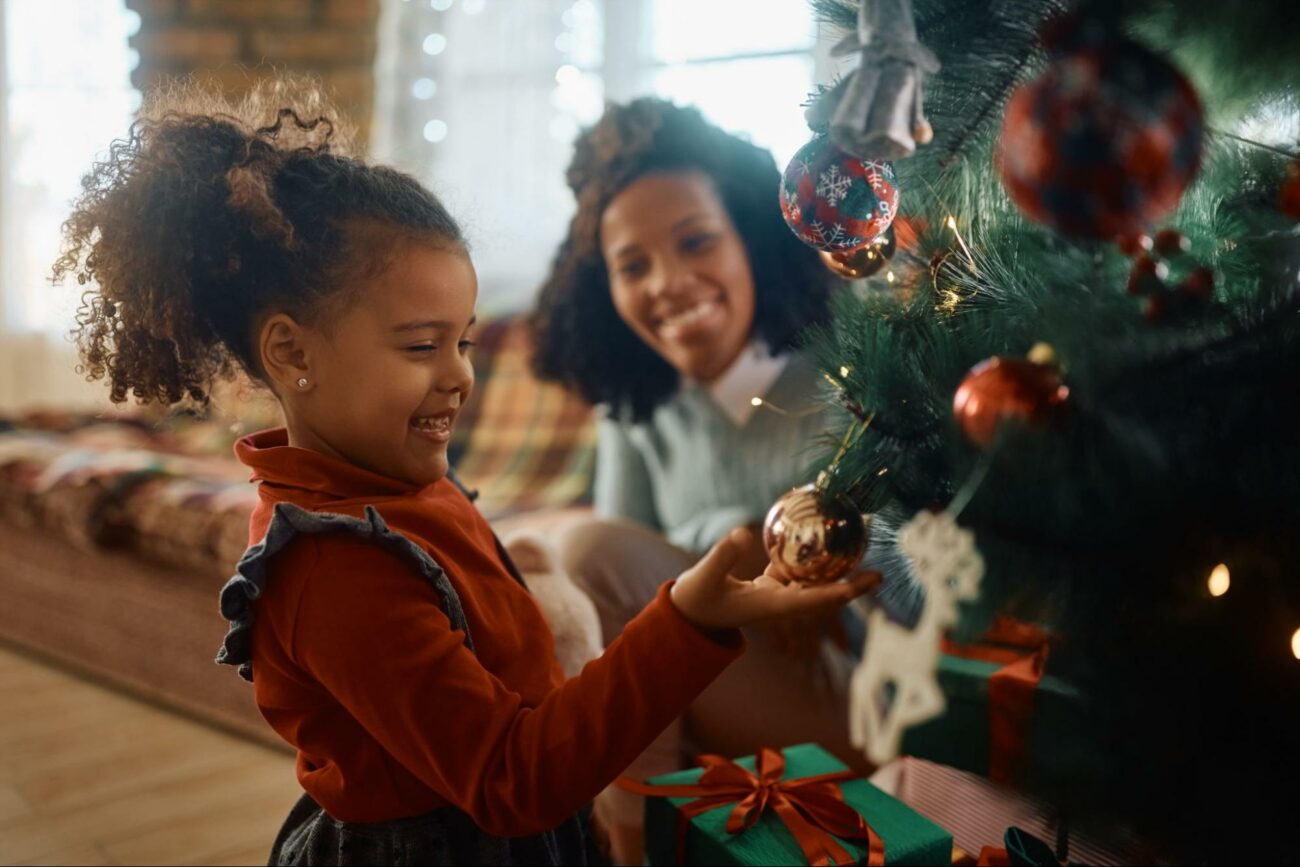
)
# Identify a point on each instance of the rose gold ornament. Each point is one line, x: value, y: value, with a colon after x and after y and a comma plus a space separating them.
x: 813, y: 540
x: 1002, y: 388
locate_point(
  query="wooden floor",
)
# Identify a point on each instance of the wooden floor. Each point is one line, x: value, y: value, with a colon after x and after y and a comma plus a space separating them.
x: 91, y: 776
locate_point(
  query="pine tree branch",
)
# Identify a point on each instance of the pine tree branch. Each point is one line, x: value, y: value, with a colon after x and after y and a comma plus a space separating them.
x: 1001, y: 94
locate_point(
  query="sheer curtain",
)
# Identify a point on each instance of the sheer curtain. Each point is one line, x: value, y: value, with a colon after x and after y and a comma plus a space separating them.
x: 481, y: 99
x: 66, y: 93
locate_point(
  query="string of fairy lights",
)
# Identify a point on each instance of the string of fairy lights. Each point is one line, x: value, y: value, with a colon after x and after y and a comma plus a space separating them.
x: 577, y: 95
x: 1219, y: 581
x: 434, y: 43
x: 577, y: 98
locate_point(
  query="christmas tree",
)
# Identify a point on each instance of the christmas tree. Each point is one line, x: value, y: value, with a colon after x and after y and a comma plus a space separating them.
x: 1097, y: 214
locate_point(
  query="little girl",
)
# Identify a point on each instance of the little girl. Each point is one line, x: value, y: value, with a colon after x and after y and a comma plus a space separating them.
x: 393, y: 643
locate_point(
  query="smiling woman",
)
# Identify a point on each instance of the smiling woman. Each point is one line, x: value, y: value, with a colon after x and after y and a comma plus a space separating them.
x: 676, y: 300
x: 679, y: 274
x: 617, y: 254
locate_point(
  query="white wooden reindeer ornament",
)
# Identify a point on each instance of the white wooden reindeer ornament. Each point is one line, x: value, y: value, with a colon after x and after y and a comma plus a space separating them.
x: 949, y: 567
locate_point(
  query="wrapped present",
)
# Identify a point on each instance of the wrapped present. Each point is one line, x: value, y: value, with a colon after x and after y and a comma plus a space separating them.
x: 798, y: 806
x: 998, y: 700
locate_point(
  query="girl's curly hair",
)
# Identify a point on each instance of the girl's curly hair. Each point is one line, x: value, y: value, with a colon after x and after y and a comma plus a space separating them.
x: 210, y: 215
x: 580, y: 340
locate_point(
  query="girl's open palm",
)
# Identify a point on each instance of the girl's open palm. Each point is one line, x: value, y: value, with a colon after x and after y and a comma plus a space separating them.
x: 709, y: 597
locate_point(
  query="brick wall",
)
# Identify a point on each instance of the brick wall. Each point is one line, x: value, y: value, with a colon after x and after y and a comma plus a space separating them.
x: 236, y: 42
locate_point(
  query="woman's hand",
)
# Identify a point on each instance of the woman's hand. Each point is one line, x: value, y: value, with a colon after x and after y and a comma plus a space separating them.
x: 709, y: 597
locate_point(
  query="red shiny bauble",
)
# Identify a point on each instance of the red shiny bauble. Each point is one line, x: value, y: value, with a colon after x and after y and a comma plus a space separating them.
x: 1146, y: 276
x: 1171, y: 242
x: 1006, y: 388
x: 1288, y: 196
x: 1134, y: 243
x: 1199, y: 284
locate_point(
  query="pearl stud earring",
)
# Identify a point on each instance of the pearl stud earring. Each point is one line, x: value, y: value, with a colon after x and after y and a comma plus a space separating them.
x: 302, y: 382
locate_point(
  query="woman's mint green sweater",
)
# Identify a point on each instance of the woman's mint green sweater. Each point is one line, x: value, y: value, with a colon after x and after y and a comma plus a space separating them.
x: 691, y: 473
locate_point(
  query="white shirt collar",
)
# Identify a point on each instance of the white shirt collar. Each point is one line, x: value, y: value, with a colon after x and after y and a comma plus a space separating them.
x: 751, y: 375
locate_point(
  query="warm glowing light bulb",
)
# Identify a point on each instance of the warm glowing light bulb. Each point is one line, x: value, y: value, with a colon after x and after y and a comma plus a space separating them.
x: 844, y: 371
x: 889, y: 275
x: 756, y: 401
x: 1295, y: 644
x: 1219, y: 580
x: 951, y: 222
x: 1043, y: 353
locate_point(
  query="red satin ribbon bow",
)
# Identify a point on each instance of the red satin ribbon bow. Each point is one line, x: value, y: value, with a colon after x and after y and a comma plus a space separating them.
x: 812, y: 808
x: 1021, y: 649
x: 992, y: 856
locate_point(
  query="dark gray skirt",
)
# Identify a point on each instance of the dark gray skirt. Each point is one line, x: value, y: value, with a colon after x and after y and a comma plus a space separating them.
x: 446, y: 836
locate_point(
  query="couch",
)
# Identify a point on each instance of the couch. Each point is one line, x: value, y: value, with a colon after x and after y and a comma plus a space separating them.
x: 118, y: 530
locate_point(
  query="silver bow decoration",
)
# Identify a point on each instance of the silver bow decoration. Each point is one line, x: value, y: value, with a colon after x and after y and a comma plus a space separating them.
x: 876, y: 114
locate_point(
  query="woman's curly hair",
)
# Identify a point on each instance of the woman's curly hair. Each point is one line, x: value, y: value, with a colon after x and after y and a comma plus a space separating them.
x: 580, y: 340
x: 210, y: 215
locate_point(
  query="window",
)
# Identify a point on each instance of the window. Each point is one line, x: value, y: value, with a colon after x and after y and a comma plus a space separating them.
x: 748, y: 71
x: 482, y: 99
x: 66, y: 94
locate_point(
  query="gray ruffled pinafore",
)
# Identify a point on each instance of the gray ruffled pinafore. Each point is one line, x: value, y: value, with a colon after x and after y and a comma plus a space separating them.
x: 445, y: 836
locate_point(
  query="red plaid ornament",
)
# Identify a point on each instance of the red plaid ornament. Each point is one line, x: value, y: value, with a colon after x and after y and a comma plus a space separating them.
x: 1104, y: 142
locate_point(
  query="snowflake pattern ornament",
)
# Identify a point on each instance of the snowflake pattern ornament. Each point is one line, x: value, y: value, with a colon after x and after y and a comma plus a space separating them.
x: 834, y: 201
x: 833, y: 186
x: 949, y: 567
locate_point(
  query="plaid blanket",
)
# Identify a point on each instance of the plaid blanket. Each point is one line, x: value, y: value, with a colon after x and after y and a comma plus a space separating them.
x: 523, y: 445
x: 168, y: 487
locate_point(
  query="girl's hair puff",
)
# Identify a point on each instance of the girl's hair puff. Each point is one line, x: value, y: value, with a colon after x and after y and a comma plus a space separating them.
x: 210, y: 215
x: 580, y: 339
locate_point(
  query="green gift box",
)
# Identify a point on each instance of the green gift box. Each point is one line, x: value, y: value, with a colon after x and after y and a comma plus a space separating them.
x: 908, y: 837
x: 962, y: 736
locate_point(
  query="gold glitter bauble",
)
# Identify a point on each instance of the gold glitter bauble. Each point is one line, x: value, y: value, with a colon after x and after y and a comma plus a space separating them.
x: 811, y: 540
x: 864, y: 261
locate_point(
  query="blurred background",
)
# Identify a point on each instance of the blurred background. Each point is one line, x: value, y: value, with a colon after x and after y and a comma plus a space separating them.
x: 120, y: 741
x: 1121, y: 525
x: 481, y: 99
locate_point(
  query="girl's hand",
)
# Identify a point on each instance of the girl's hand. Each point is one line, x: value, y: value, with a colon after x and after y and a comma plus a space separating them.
x: 753, y: 558
x: 710, y: 598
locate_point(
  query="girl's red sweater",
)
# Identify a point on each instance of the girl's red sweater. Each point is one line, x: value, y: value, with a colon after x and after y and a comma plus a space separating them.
x: 357, y: 666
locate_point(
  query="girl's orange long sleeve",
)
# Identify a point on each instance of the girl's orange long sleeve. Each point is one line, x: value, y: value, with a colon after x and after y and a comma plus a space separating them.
x: 358, y: 667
